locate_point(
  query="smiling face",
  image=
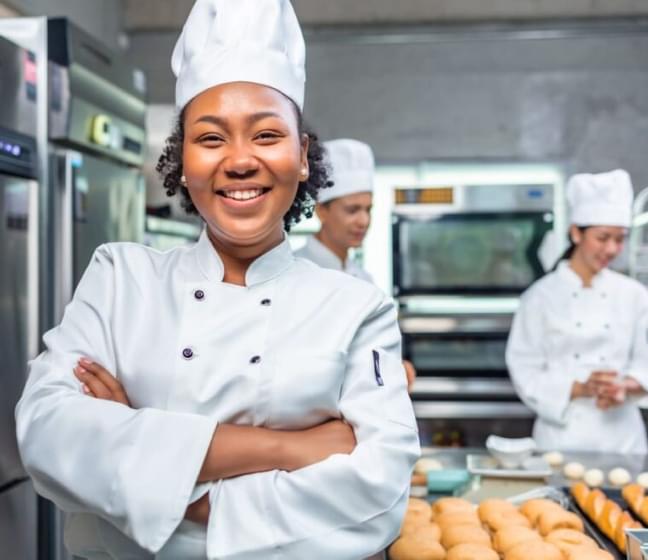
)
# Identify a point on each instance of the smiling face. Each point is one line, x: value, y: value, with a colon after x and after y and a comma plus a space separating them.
x: 598, y: 246
x: 243, y: 158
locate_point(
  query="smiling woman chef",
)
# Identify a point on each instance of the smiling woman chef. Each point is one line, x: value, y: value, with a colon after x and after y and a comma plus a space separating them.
x: 269, y: 417
x: 578, y: 348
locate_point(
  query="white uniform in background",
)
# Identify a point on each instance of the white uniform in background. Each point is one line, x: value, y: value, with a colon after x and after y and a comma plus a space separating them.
x: 314, y: 250
x: 563, y: 331
x: 294, y: 347
x: 352, y: 171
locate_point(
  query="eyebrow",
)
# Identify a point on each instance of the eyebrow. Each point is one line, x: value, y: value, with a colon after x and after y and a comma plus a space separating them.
x: 251, y: 119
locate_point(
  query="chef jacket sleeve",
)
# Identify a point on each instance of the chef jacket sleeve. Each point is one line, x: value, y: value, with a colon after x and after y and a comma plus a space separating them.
x: 545, y: 390
x: 638, y: 365
x: 135, y: 468
x: 347, y: 506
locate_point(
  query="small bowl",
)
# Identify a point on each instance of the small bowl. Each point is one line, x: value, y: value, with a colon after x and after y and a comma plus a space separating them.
x: 511, y: 453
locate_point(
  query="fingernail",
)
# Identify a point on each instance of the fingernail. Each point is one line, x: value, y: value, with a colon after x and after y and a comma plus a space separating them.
x: 85, y: 388
x: 85, y: 361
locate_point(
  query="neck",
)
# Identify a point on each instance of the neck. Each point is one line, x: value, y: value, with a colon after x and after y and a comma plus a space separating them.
x: 339, y: 251
x: 238, y: 258
x: 584, y: 272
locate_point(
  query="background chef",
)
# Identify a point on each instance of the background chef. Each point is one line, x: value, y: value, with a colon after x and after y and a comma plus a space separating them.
x: 236, y: 365
x: 578, y: 348
x: 344, y: 212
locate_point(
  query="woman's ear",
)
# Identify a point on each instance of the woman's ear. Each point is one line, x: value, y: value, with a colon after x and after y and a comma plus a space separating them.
x: 575, y: 234
x: 303, y: 160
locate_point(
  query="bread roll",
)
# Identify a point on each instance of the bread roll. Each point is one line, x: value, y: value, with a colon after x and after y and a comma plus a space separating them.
x: 426, y: 464
x: 633, y: 494
x: 619, y: 476
x: 532, y: 509
x: 587, y: 553
x: 642, y: 479
x: 607, y: 519
x: 418, y: 505
x: 416, y: 546
x: 413, y: 520
x: 469, y: 551
x: 625, y: 521
x: 534, y: 550
x: 559, y: 519
x: 594, y: 504
x: 554, y: 458
x: 574, y: 470
x: 445, y: 505
x: 431, y: 528
x: 499, y: 520
x: 494, y: 505
x: 580, y: 491
x: 594, y: 477
x: 567, y: 539
x: 508, y: 537
x: 462, y: 534
x: 454, y: 518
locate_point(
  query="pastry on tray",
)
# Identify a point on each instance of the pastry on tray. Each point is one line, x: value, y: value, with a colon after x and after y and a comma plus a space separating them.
x: 470, y: 551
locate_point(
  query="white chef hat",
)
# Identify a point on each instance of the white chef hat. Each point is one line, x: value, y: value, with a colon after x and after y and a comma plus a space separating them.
x: 352, y: 164
x: 225, y: 41
x: 601, y: 199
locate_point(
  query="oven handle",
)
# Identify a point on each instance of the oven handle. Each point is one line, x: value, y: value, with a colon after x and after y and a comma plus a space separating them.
x: 471, y: 386
x: 456, y: 325
x: 470, y: 410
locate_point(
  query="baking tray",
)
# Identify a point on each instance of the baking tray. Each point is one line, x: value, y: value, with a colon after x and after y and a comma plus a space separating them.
x: 613, y: 494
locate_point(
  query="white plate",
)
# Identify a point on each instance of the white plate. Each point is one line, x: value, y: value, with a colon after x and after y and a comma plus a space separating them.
x: 485, y: 465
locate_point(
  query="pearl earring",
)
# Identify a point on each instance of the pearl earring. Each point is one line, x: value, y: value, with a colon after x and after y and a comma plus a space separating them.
x: 183, y: 181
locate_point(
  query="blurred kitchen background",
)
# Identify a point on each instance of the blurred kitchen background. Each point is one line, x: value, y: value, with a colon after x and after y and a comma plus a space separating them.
x: 477, y: 111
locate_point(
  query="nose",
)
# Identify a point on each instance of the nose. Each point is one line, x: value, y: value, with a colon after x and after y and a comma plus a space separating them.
x: 239, y: 161
x: 613, y: 247
x: 364, y: 219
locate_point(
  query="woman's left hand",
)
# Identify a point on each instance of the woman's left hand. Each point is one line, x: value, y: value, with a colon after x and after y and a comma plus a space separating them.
x: 99, y: 383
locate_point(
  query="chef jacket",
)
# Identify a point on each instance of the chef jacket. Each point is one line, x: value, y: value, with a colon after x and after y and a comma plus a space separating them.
x: 561, y: 333
x: 320, y: 254
x: 294, y: 347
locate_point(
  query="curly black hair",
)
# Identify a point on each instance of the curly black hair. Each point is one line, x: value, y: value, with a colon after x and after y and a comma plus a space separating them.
x: 169, y: 167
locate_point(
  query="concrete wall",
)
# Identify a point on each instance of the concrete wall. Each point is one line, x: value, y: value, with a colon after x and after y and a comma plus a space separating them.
x: 577, y: 98
x: 169, y: 14
x: 101, y: 18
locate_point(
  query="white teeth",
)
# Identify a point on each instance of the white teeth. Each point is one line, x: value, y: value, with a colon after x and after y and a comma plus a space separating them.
x: 243, y: 195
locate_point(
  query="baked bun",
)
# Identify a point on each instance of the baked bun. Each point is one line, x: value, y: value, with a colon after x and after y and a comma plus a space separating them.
x: 462, y: 534
x: 421, y: 506
x: 532, y: 509
x: 594, y: 504
x: 567, y: 539
x: 508, y: 537
x: 607, y: 519
x: 633, y: 494
x: 448, y: 504
x: 416, y: 546
x: 500, y: 520
x: 494, y: 505
x: 469, y: 551
x: 431, y: 528
x: 455, y: 518
x: 625, y: 521
x: 588, y: 553
x: 534, y: 550
x: 414, y: 519
x: 559, y: 519
x: 580, y: 491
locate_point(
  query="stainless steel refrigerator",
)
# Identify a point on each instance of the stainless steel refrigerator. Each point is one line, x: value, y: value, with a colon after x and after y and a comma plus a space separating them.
x: 18, y: 170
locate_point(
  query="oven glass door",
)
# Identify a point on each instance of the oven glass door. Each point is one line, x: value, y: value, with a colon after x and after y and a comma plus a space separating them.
x: 457, y: 355
x: 476, y: 253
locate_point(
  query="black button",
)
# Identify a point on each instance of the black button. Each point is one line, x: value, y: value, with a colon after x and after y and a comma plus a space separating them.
x: 199, y: 295
x: 255, y: 359
x: 265, y: 301
x: 187, y: 353
x: 577, y: 356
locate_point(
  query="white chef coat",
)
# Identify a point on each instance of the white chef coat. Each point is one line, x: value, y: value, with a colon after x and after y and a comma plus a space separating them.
x: 561, y: 333
x: 294, y: 347
x: 314, y: 250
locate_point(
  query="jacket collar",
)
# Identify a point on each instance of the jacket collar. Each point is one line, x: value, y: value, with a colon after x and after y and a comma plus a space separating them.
x: 573, y: 280
x: 264, y: 268
x: 322, y: 255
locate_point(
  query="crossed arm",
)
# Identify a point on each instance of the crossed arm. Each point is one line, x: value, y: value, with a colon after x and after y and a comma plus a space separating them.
x: 237, y: 450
